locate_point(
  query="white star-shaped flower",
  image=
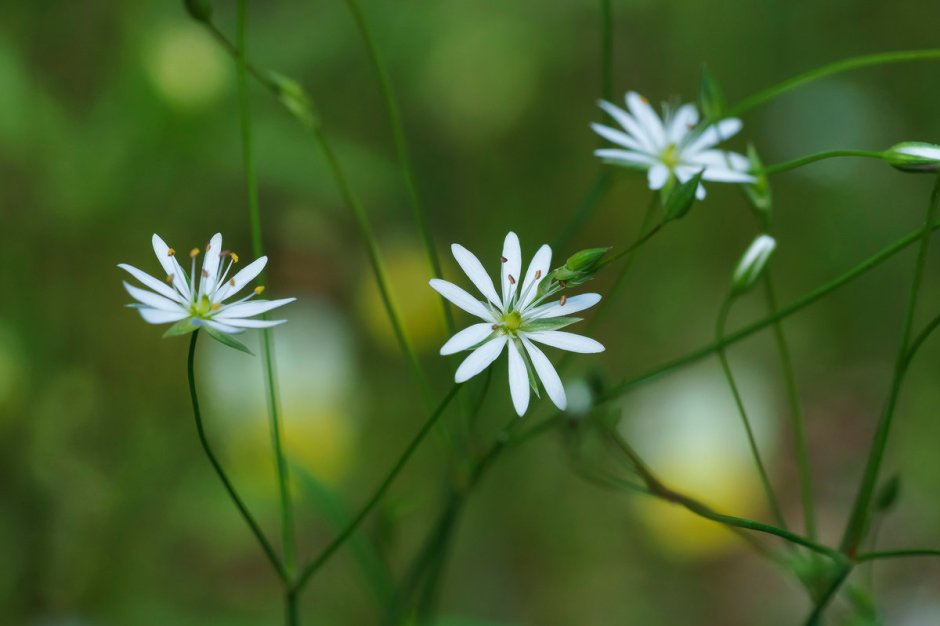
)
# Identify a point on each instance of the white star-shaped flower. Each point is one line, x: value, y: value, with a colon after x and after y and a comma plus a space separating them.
x: 179, y: 298
x: 516, y: 319
x: 673, y: 146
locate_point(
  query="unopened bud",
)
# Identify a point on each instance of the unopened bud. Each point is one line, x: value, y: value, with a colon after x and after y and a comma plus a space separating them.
x: 200, y: 10
x: 914, y: 156
x: 752, y: 264
x: 585, y: 260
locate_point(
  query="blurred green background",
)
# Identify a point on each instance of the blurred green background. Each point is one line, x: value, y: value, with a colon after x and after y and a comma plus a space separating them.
x: 118, y: 120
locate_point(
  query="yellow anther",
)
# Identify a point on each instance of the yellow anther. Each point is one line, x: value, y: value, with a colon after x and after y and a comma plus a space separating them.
x: 259, y: 289
x: 216, y: 306
x: 538, y: 274
x: 231, y: 282
x: 205, y: 273
x: 234, y: 257
x: 512, y: 281
x: 169, y: 278
x: 170, y: 251
x: 644, y: 100
x: 194, y: 253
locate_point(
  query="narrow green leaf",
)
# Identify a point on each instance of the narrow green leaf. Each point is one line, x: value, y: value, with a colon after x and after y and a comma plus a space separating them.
x: 758, y: 194
x: 182, y: 327
x: 551, y: 323
x: 681, y: 198
x: 227, y: 340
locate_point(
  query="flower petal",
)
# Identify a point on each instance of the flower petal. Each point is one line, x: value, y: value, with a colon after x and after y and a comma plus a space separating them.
x: 472, y: 267
x: 238, y: 322
x: 547, y: 374
x: 223, y: 328
x: 682, y: 123
x: 714, y: 134
x: 566, y: 341
x: 239, y: 280
x: 512, y: 266
x: 171, y: 266
x: 538, y: 267
x: 518, y: 380
x: 252, y: 308
x: 153, y: 300
x: 725, y: 175
x: 573, y: 304
x: 629, y: 124
x: 461, y: 298
x: 616, y: 136
x: 467, y: 338
x: 156, y: 316
x: 657, y: 176
x: 210, y: 265
x: 480, y: 359
x: 723, y: 159
x: 157, y: 285
x: 626, y: 157
x: 648, y: 119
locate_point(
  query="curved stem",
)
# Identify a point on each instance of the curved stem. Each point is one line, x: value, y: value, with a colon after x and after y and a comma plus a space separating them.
x: 401, y: 147
x: 858, y: 520
x: 815, y: 618
x: 895, y: 554
x: 819, y: 156
x: 797, y: 418
x: 270, y: 377
x: 920, y: 339
x: 340, y: 539
x: 229, y: 488
x: 742, y: 412
x: 829, y: 70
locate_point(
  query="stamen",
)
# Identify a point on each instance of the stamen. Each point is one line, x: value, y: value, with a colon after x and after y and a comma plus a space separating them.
x: 563, y: 283
x: 232, y: 282
x: 170, y: 252
x: 169, y: 278
x: 563, y: 300
x: 503, y: 259
x: 644, y: 99
x: 234, y: 257
x: 216, y: 306
x: 208, y: 246
x: 512, y: 281
x: 205, y: 273
x: 259, y: 289
x: 538, y: 274
x: 194, y: 253
x: 224, y: 253
x: 495, y: 326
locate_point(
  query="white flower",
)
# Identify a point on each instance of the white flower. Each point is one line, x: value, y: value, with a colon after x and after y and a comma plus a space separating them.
x: 179, y: 299
x: 672, y: 146
x: 516, y: 318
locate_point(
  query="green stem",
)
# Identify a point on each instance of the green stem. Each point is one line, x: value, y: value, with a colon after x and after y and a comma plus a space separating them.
x: 292, y: 611
x: 920, y: 339
x: 229, y: 488
x: 815, y: 618
x: 895, y: 554
x: 819, y: 156
x: 858, y: 520
x: 254, y: 213
x: 828, y: 70
x: 327, y: 552
x: 401, y: 147
x: 797, y: 418
x: 739, y: 403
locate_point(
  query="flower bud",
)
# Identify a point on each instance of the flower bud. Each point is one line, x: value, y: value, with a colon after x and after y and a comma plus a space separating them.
x: 680, y: 199
x: 914, y: 156
x: 199, y: 10
x: 585, y: 260
x: 752, y: 264
x: 888, y: 494
x: 294, y: 98
x: 758, y: 193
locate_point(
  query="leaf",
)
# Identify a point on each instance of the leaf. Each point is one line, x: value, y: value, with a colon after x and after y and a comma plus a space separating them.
x: 758, y: 193
x: 551, y: 323
x: 182, y: 327
x: 711, y: 99
x: 681, y: 198
x: 227, y: 340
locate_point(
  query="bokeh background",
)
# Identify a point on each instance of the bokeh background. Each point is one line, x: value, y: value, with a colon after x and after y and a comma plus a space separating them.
x: 118, y: 120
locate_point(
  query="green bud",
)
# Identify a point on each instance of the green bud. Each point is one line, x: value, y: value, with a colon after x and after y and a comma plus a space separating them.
x: 294, y: 98
x: 585, y: 260
x: 888, y: 494
x: 681, y: 198
x: 199, y: 10
x: 711, y: 99
x: 752, y: 264
x: 758, y: 193
x: 914, y: 156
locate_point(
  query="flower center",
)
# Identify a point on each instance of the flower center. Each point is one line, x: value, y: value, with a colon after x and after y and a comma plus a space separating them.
x: 202, y: 307
x: 511, y: 321
x: 670, y: 156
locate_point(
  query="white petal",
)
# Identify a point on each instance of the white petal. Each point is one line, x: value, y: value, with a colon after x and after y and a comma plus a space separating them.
x: 224, y: 328
x: 467, y: 338
x: 236, y: 322
x: 171, y: 266
x: 472, y: 267
x: 648, y: 119
x: 511, y: 267
x: 157, y: 285
x: 629, y: 124
x: 153, y: 300
x: 461, y: 298
x: 723, y: 159
x: 252, y: 308
x: 547, y: 374
x: 242, y: 278
x: 155, y: 316
x: 518, y: 380
x: 210, y: 264
x: 700, y: 192
x: 480, y: 359
x: 682, y: 123
x: 540, y: 265
x: 612, y: 154
x: 572, y: 305
x: 724, y: 175
x: 566, y: 341
x: 657, y: 176
x: 616, y: 136
x: 714, y: 134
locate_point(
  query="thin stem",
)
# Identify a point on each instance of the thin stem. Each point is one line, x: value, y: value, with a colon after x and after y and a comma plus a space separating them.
x: 828, y: 70
x: 815, y: 618
x: 401, y: 147
x: 858, y: 520
x: 895, y: 554
x: 229, y: 488
x: 739, y: 403
x: 292, y: 611
x: 819, y: 156
x: 254, y: 213
x: 797, y: 418
x: 328, y: 552
x: 920, y: 339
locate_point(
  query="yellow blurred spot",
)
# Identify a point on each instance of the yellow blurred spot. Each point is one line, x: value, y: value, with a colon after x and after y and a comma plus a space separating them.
x: 186, y: 67
x: 259, y: 289
x: 417, y: 304
x: 194, y: 253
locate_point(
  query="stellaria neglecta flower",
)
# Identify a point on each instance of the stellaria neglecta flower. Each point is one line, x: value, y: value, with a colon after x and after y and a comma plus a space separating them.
x: 516, y: 319
x: 179, y: 299
x: 672, y: 147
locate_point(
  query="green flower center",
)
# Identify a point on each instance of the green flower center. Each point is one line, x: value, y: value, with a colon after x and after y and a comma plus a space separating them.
x: 511, y: 321
x: 670, y: 156
x: 202, y: 307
